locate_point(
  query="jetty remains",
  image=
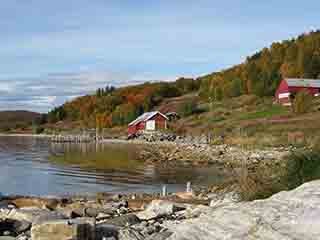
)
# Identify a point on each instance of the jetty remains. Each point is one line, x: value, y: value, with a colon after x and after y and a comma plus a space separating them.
x: 73, y: 138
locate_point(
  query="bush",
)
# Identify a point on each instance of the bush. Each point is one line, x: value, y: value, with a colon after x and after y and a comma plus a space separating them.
x: 302, y: 103
x: 258, y: 182
x: 188, y: 108
x: 303, y: 167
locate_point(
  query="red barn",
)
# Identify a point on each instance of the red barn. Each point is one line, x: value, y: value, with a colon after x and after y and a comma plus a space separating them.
x: 149, y: 121
x: 288, y: 88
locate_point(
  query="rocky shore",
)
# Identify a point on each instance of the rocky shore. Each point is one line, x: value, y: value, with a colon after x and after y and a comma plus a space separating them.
x: 206, y: 154
x: 286, y: 215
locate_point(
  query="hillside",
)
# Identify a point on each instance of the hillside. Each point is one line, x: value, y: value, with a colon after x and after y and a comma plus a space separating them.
x: 236, y: 102
x: 17, y: 119
x: 261, y: 73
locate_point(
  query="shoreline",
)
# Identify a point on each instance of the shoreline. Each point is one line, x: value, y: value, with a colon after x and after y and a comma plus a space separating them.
x: 25, y: 135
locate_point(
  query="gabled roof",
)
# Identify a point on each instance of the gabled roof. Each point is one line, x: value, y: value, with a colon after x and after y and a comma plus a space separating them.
x: 145, y: 117
x: 300, y: 82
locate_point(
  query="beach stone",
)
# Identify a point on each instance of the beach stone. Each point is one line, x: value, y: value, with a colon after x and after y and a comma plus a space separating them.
x: 124, y: 220
x: 4, y: 205
x: 14, y: 226
x: 159, y: 236
x: 292, y: 215
x: 76, y: 229
x: 7, y: 238
x: 105, y: 230
x: 130, y: 234
x: 156, y: 209
x: 50, y: 216
x: 22, y: 214
x: 220, y: 199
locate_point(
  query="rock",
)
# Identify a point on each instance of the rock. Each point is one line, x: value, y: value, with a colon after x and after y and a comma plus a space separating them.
x: 130, y: 234
x: 77, y: 229
x: 106, y: 231
x: 159, y: 236
x: 14, y: 226
x: 156, y: 209
x: 7, y: 238
x: 220, y: 199
x: 116, y: 197
x: 50, y: 216
x: 124, y: 220
x: 102, y: 216
x: 196, y: 211
x: 185, y: 195
x: 4, y: 205
x: 284, y: 216
x: 120, y: 204
x: 22, y: 214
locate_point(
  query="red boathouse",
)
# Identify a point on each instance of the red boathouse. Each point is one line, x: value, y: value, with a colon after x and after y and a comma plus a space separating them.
x: 289, y: 87
x: 149, y: 121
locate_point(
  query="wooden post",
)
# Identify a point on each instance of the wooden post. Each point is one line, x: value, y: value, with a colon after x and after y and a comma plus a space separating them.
x: 189, y: 187
x: 164, y: 191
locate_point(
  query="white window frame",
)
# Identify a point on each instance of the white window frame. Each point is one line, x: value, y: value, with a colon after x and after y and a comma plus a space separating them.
x: 151, y: 125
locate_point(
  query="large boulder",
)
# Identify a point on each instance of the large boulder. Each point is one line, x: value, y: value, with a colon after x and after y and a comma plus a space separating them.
x: 285, y: 216
x: 75, y: 229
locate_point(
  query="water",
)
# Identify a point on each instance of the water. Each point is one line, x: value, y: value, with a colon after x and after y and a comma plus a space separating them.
x: 30, y: 166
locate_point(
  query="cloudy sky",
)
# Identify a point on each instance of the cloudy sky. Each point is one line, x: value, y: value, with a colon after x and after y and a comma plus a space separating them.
x: 52, y: 51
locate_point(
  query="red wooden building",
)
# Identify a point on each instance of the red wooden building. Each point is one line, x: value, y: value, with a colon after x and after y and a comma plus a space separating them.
x: 149, y: 121
x: 289, y: 87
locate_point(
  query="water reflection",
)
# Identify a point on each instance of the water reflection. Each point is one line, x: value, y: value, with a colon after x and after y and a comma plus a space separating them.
x: 34, y: 166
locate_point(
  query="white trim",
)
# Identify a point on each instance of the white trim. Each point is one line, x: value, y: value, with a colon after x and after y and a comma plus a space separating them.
x: 152, y: 114
x: 283, y: 95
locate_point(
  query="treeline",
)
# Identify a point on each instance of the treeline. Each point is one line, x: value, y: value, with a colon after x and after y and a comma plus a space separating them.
x: 261, y: 73
x: 112, y: 106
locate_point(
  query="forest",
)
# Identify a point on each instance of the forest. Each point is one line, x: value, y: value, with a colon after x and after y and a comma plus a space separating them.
x: 111, y: 106
x: 260, y: 75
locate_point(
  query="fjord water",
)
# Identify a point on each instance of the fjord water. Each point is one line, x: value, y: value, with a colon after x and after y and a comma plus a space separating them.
x: 33, y: 166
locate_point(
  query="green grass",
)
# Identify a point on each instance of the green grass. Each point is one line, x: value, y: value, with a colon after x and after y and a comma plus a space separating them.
x: 275, y: 110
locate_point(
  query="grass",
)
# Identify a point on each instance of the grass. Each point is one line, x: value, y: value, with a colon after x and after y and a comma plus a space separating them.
x: 274, y: 110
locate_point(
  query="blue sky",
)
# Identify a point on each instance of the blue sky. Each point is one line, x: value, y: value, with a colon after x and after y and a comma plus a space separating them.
x: 52, y: 51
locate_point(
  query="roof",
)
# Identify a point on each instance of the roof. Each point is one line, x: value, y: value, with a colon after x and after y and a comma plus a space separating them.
x: 145, y: 117
x: 300, y: 82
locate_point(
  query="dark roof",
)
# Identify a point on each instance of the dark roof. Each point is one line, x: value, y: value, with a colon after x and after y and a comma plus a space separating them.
x: 300, y: 82
x: 145, y: 117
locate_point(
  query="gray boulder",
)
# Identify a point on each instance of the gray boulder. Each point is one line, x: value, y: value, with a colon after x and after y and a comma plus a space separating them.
x: 285, y: 216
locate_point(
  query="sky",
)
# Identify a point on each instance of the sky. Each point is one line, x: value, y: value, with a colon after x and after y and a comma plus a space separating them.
x: 53, y: 51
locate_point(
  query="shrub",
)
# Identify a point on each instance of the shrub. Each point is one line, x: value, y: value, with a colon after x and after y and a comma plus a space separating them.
x: 262, y: 181
x: 302, y: 102
x: 188, y: 108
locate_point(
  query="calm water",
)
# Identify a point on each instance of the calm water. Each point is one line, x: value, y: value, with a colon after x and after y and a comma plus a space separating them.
x: 30, y: 166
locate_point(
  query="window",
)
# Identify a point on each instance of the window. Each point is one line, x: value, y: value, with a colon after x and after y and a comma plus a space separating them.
x: 151, y: 125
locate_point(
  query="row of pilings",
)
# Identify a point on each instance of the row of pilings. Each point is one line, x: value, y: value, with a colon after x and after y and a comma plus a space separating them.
x: 72, y: 139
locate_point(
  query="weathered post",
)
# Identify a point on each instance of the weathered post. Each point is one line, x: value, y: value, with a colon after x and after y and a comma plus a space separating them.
x: 189, y: 190
x: 164, y: 191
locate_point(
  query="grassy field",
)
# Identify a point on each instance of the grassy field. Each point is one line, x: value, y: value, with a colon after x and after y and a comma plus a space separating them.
x: 252, y: 121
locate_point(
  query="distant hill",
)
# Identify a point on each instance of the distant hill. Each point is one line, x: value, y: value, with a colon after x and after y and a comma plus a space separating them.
x: 17, y: 119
